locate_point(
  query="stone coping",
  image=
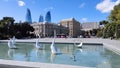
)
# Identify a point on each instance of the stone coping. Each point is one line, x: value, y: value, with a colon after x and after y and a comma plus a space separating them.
x: 26, y: 64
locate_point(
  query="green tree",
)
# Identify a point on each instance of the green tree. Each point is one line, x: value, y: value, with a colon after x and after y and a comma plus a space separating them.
x: 117, y: 30
x: 103, y: 22
x: 115, y: 14
x: 114, y: 17
x: 26, y: 29
x: 9, y: 29
x: 100, y: 33
x: 6, y: 27
x: 23, y: 30
x: 110, y: 30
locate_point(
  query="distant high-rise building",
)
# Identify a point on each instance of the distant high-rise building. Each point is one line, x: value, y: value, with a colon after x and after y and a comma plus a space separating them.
x: 41, y: 18
x: 28, y: 16
x: 48, y: 17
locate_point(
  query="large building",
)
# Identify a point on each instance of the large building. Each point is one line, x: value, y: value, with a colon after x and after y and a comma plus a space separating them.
x: 73, y: 27
x: 46, y: 29
x: 41, y: 19
x: 28, y: 16
x: 90, y: 26
x: 48, y: 17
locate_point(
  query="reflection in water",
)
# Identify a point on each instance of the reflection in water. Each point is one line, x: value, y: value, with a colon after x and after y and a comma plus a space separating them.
x: 73, y: 57
x: 73, y: 53
x: 52, y: 58
x: 80, y: 50
x: 38, y: 52
x: 11, y: 53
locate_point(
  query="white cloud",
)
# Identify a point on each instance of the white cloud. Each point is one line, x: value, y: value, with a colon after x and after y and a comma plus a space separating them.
x: 117, y: 2
x: 84, y: 19
x: 106, y: 5
x: 21, y: 3
x: 82, y: 5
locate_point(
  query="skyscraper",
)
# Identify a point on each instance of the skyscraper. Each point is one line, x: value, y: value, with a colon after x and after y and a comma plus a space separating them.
x: 48, y: 17
x: 28, y: 16
x: 41, y: 18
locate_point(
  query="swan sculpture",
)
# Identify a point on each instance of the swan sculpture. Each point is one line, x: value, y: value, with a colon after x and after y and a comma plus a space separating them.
x: 38, y: 45
x: 13, y: 40
x: 80, y: 45
x: 11, y: 44
x: 54, y: 49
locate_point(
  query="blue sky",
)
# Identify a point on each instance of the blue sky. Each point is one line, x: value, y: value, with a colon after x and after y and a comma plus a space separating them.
x: 81, y: 10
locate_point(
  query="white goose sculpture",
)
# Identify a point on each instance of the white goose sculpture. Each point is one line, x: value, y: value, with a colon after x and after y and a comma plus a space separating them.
x: 80, y: 45
x: 54, y: 49
x: 13, y: 40
x: 38, y: 45
x: 11, y: 45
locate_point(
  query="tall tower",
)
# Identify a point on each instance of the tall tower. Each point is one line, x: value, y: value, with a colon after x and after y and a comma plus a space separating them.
x: 41, y: 19
x: 48, y: 17
x: 28, y: 16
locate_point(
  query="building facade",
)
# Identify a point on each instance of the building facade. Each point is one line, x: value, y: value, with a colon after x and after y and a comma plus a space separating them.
x: 46, y: 29
x: 28, y: 16
x: 72, y: 25
x: 90, y: 26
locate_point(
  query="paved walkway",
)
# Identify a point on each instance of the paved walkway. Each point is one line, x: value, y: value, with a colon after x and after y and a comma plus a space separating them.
x: 12, y: 66
x: 23, y: 64
x: 113, y: 45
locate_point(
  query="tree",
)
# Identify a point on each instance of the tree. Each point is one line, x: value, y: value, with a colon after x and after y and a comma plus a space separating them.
x: 9, y: 29
x: 117, y: 32
x: 115, y: 18
x: 23, y: 30
x: 103, y: 22
x: 115, y: 14
x: 110, y: 30
x: 26, y: 29
x: 100, y: 33
x: 6, y: 27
